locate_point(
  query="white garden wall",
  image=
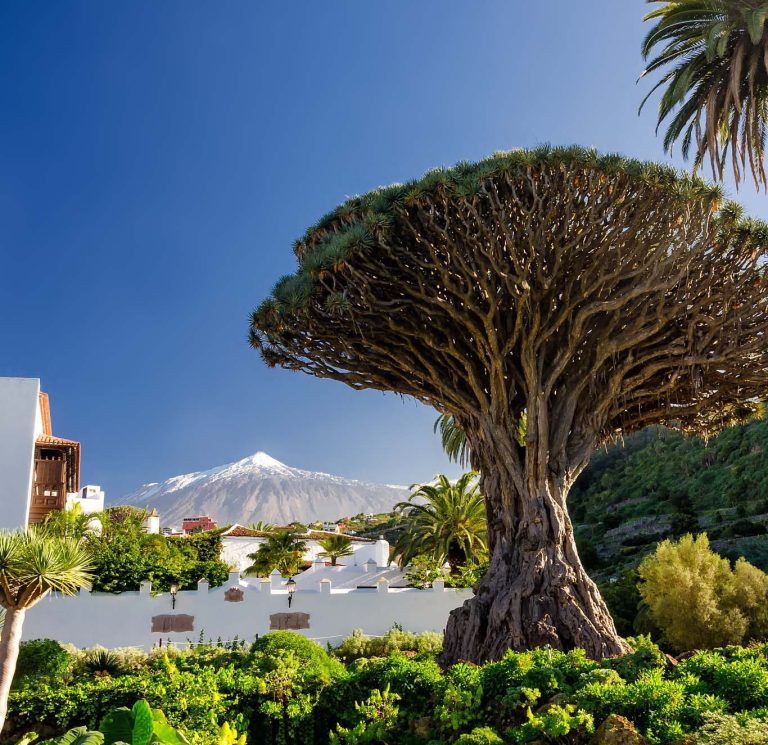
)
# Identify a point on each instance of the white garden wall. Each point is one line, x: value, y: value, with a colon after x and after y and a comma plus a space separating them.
x: 126, y: 619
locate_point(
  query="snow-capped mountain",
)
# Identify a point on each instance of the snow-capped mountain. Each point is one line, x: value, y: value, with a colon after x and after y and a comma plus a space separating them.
x: 262, y: 488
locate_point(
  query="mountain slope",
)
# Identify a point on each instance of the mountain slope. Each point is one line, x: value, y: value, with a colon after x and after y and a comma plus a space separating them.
x: 659, y: 483
x: 261, y: 488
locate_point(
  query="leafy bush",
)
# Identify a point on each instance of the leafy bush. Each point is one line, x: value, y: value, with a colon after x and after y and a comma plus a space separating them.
x: 377, y: 716
x: 724, y: 729
x: 742, y: 683
x: 697, y: 600
x: 554, y: 722
x: 41, y: 659
x: 645, y: 656
x: 124, y: 557
x: 395, y: 640
x: 306, y: 651
x: 480, y: 736
x: 287, y: 690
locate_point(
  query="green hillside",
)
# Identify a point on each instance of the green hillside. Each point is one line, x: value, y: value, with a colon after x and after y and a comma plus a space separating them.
x: 660, y: 483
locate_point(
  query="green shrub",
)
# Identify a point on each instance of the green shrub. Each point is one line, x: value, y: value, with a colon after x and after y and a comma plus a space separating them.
x: 359, y: 645
x: 741, y: 682
x: 724, y: 729
x: 41, y: 659
x: 377, y: 716
x: 306, y: 651
x: 459, y: 707
x: 480, y: 736
x: 554, y: 722
x: 654, y: 704
x: 645, y: 656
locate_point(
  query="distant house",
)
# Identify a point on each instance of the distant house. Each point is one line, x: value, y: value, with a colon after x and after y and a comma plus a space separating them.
x: 40, y: 471
x: 239, y: 541
x: 198, y: 524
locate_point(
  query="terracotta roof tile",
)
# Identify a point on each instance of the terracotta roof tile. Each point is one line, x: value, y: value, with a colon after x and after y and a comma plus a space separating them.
x: 51, y: 440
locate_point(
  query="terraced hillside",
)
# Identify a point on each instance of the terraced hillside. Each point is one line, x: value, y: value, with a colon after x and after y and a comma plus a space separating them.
x: 660, y: 483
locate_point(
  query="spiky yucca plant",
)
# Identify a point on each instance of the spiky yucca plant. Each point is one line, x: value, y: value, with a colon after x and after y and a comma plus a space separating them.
x: 713, y: 55
x: 32, y: 564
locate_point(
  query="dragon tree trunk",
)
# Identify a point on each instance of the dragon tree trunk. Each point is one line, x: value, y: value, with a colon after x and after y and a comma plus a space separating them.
x: 536, y: 591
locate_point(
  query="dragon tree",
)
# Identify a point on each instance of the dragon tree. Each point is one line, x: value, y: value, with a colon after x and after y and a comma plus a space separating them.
x: 585, y: 295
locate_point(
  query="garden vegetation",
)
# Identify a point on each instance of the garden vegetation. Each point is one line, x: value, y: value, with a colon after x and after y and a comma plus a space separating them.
x: 287, y: 690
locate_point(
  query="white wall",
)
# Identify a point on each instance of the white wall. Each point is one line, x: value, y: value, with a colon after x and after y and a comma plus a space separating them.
x: 19, y: 421
x: 235, y: 550
x: 125, y: 620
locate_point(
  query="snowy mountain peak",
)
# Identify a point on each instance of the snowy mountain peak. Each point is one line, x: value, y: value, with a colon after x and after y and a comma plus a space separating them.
x: 262, y: 460
x: 259, y: 487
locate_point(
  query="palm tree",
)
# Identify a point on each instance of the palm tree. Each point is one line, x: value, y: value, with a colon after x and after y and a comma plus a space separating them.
x: 445, y: 521
x: 32, y: 564
x: 713, y: 55
x: 72, y: 523
x: 282, y: 551
x: 453, y: 439
x: 336, y: 547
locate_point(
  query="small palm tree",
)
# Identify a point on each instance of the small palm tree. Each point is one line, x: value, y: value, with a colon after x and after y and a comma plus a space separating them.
x: 282, y: 551
x: 714, y: 58
x: 71, y: 523
x: 335, y: 547
x: 32, y: 564
x: 445, y: 521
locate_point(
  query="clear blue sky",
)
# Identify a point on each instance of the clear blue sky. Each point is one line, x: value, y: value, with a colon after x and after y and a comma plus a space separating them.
x: 158, y: 159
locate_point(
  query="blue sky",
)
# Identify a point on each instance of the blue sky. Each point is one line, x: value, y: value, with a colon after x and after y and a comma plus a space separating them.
x: 158, y: 159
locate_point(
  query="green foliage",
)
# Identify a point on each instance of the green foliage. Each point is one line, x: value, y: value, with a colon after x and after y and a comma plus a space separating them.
x: 377, y: 716
x: 697, y: 600
x: 424, y: 569
x: 336, y: 547
x: 726, y: 729
x: 445, y: 521
x: 309, y: 653
x: 707, y: 53
x: 124, y: 556
x: 644, y: 657
x: 648, y: 482
x: 480, y: 736
x: 102, y: 662
x: 77, y: 736
x: 358, y: 645
x: 553, y: 723
x: 287, y: 690
x: 41, y: 659
x: 139, y: 725
x: 282, y: 551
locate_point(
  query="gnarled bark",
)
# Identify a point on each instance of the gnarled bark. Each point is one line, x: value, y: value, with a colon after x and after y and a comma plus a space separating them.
x: 536, y: 591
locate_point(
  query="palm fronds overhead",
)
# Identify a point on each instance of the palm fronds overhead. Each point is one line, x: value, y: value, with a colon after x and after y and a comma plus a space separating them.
x: 713, y: 56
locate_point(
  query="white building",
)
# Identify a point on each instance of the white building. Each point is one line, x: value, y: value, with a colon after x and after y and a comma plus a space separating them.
x: 239, y: 541
x: 152, y: 522
x: 90, y: 498
x: 39, y: 471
